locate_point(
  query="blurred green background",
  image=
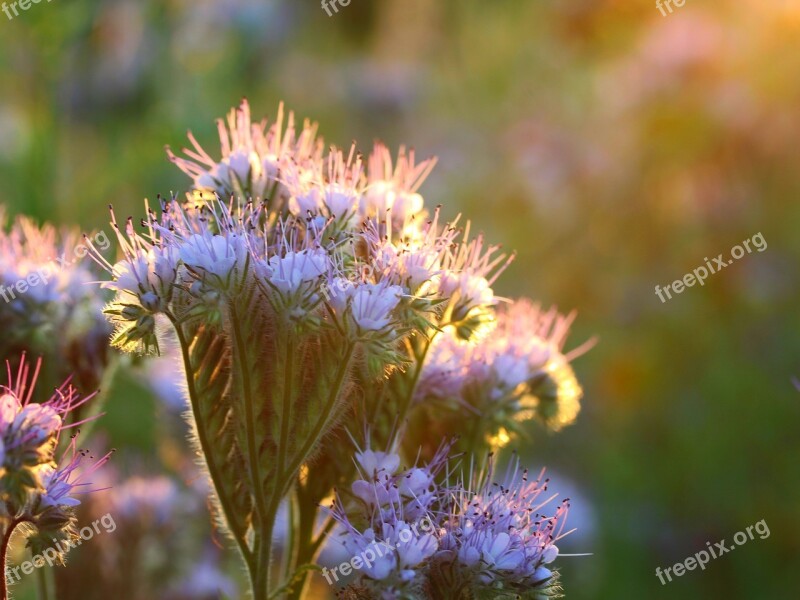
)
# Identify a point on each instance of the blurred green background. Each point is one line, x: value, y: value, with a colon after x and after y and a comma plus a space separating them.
x: 612, y: 147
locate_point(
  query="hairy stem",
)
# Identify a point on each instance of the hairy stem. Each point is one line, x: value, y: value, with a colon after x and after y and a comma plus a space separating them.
x: 292, y: 535
x: 308, y: 548
x: 325, y: 416
x: 408, y: 400
x: 3, y: 557
x: 266, y: 515
x: 205, y: 445
x: 286, y: 406
x: 4, y: 544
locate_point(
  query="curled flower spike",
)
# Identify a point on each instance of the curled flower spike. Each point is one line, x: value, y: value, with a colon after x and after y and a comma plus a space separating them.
x: 392, y: 190
x: 400, y: 508
x: 424, y: 538
x: 253, y: 155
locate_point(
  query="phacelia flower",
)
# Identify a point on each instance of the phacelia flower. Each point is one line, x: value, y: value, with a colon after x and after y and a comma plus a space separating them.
x: 290, y: 271
x: 253, y: 156
x: 303, y: 287
x: 373, y: 305
x: 399, y: 509
x: 425, y: 537
x: 35, y: 485
x: 392, y: 190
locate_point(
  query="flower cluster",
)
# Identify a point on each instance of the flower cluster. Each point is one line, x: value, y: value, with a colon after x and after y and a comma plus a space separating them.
x: 36, y: 488
x: 360, y: 235
x: 307, y: 289
x: 495, y: 536
x: 287, y: 165
x: 47, y: 307
x: 415, y: 537
x: 391, y: 514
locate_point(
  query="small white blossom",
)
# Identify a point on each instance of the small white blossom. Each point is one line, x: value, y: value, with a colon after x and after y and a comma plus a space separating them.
x: 215, y: 254
x: 289, y: 272
x: 373, y: 305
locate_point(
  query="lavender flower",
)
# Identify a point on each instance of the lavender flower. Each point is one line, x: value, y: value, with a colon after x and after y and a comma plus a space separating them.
x: 253, y: 155
x: 400, y: 532
x: 496, y: 537
x: 392, y: 190
x: 414, y: 536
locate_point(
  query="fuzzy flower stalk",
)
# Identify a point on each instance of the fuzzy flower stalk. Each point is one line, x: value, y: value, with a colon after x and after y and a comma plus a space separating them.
x: 306, y: 291
x: 39, y: 485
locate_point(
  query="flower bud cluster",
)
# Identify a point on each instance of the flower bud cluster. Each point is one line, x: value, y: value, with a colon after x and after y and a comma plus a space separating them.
x: 497, y: 537
x: 306, y: 287
x: 334, y: 251
x: 392, y: 509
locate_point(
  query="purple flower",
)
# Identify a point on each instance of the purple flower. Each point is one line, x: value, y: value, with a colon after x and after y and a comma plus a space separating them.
x: 35, y: 487
x: 498, y: 533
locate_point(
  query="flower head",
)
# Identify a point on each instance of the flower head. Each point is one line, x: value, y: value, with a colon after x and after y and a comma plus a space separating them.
x: 391, y: 190
x: 497, y: 535
x: 253, y: 155
x: 305, y: 286
x: 398, y: 507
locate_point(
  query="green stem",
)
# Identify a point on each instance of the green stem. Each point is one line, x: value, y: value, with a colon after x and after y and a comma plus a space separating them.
x: 402, y: 414
x: 3, y: 557
x: 319, y: 427
x: 292, y: 535
x: 266, y: 516
x: 301, y: 457
x: 307, y: 547
x: 205, y: 446
x: 286, y: 406
x: 4, y: 545
x: 43, y: 581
